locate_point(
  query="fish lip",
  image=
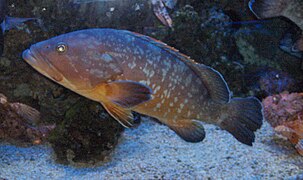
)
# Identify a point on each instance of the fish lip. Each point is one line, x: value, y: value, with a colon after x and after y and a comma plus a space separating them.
x: 28, y: 56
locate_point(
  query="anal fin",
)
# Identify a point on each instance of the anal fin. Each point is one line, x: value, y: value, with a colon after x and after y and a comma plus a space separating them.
x: 122, y: 115
x: 189, y: 130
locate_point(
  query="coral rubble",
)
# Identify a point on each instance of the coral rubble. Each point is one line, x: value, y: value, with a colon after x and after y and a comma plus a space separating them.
x: 284, y: 112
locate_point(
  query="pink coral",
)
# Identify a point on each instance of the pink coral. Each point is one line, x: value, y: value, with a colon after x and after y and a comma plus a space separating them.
x: 285, y: 113
x: 18, y: 123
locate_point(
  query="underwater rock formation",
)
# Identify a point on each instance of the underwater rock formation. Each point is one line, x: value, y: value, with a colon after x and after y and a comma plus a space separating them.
x: 86, y: 136
x: 284, y: 112
x: 18, y: 124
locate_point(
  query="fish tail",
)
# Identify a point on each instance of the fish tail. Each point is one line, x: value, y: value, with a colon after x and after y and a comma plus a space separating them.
x: 242, y: 117
x: 267, y: 8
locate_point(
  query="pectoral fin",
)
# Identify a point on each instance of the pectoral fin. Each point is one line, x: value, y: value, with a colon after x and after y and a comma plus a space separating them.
x: 189, y: 130
x: 123, y: 116
x: 127, y: 93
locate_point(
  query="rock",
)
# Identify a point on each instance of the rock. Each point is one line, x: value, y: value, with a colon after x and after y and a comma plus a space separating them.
x: 86, y: 136
x: 284, y: 112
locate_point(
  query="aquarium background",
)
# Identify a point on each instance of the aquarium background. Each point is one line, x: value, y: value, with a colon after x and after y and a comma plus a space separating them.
x: 87, y: 143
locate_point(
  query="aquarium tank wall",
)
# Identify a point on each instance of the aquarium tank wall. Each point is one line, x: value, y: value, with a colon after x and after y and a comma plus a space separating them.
x: 151, y: 89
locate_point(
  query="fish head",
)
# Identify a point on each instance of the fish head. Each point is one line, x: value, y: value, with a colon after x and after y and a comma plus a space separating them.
x: 66, y: 59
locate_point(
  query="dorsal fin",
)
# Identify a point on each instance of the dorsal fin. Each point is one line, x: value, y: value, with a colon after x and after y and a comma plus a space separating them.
x: 162, y: 45
x: 214, y: 82
x: 212, y: 79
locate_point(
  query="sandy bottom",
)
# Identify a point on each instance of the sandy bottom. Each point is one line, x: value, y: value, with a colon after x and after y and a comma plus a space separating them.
x: 154, y: 151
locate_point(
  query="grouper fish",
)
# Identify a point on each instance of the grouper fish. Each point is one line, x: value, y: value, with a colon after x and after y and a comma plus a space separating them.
x: 127, y: 71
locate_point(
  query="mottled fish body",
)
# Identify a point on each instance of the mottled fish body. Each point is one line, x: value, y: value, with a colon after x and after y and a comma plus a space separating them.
x: 127, y: 72
x: 291, y: 9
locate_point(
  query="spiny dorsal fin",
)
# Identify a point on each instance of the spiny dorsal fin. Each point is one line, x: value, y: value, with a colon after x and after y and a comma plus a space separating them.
x: 212, y: 79
x: 162, y: 45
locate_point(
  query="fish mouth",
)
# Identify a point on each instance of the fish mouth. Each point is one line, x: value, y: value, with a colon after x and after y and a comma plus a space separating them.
x: 28, y: 56
x: 41, y: 64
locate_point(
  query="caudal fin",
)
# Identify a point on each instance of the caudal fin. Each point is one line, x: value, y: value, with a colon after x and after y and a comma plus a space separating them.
x: 242, y: 117
x: 267, y: 8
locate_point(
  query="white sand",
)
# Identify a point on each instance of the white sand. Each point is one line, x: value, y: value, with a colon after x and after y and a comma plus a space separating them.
x: 154, y: 151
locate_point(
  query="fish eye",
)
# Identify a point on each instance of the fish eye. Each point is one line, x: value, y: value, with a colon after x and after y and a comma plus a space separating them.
x: 61, y: 48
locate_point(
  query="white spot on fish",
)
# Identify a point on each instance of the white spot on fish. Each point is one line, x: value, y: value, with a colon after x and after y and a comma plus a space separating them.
x: 142, y: 82
x: 168, y: 94
x: 132, y: 65
x: 171, y: 104
x: 106, y: 57
x: 151, y: 74
x: 181, y: 105
x: 188, y: 80
x: 165, y: 92
x: 152, y: 97
x: 146, y: 71
x: 157, y: 89
x: 158, y: 105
